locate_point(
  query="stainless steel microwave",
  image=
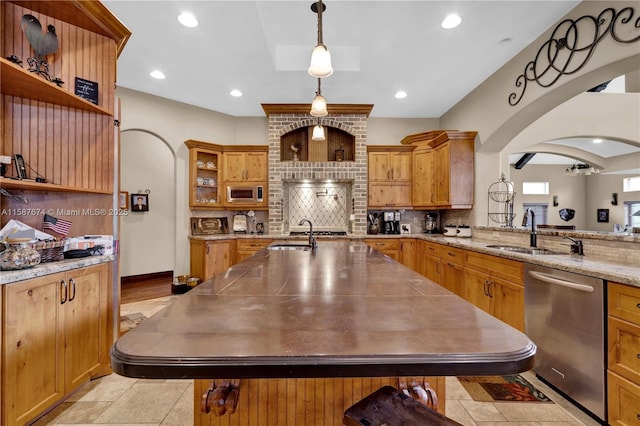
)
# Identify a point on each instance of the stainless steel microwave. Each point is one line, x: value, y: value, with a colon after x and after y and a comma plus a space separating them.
x: 243, y: 194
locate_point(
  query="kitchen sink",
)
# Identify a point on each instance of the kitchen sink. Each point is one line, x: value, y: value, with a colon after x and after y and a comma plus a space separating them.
x: 524, y: 250
x: 304, y: 247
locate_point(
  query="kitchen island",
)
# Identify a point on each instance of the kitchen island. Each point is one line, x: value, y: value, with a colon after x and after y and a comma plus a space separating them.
x: 341, y: 311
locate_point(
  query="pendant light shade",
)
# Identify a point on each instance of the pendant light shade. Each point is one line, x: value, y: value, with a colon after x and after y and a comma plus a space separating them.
x: 320, y: 62
x: 318, y: 133
x: 319, y: 106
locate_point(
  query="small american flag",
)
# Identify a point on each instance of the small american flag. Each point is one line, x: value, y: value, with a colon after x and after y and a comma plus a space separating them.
x: 59, y: 226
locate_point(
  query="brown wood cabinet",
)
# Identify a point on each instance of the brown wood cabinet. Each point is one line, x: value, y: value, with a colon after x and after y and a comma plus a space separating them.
x: 452, y: 275
x: 388, y: 246
x: 407, y: 252
x: 56, y: 337
x: 495, y: 285
x: 211, y: 257
x: 246, y: 164
x: 432, y: 261
x: 248, y: 247
x: 443, y: 168
x: 389, y: 169
x: 204, y: 175
x: 293, y: 402
x: 623, y: 387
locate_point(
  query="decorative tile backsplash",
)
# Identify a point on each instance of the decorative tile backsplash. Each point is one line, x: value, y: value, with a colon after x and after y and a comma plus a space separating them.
x: 326, y: 205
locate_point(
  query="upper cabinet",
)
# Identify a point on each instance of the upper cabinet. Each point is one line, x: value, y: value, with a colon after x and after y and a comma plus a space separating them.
x: 389, y: 169
x: 245, y: 164
x: 443, y: 169
x: 216, y: 170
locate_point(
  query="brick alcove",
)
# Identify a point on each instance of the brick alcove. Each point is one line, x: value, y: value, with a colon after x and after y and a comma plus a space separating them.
x: 285, y: 118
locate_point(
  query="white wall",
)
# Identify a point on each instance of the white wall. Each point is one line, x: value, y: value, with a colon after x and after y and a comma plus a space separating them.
x: 146, y: 238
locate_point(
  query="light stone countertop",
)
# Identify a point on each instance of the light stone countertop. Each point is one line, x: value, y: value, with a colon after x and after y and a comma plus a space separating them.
x: 8, y: 277
x: 586, y: 265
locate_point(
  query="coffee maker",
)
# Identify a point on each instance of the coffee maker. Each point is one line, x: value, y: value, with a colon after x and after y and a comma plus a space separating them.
x: 391, y: 223
x: 432, y: 223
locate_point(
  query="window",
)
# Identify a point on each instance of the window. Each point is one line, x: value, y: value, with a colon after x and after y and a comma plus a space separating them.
x: 535, y: 188
x: 631, y: 184
x: 539, y: 210
x: 631, y: 208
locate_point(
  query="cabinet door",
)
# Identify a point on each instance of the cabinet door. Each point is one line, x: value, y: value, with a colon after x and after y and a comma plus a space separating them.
x: 234, y: 166
x: 407, y: 253
x: 400, y: 166
x: 378, y: 166
x: 441, y: 175
x: 433, y: 269
x: 389, y: 195
x: 218, y: 258
x: 508, y: 302
x: 204, y: 178
x: 256, y: 166
x: 623, y: 400
x: 86, y: 330
x: 453, y: 277
x: 422, y: 178
x: 478, y: 289
x: 33, y: 347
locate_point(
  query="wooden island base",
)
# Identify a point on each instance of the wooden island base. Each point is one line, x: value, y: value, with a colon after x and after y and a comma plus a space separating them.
x: 293, y: 402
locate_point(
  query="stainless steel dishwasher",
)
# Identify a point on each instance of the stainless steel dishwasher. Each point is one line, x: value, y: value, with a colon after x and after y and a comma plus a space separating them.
x: 564, y: 317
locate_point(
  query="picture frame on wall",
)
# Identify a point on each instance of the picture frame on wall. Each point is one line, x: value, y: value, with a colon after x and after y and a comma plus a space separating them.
x: 405, y: 228
x: 139, y: 202
x: 123, y: 202
x: 603, y: 215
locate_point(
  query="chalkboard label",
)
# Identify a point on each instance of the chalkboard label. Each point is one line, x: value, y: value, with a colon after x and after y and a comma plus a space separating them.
x: 87, y: 90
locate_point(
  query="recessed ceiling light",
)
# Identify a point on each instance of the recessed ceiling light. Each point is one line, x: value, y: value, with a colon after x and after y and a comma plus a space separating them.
x: 235, y: 93
x: 157, y: 74
x: 400, y: 94
x: 451, y: 21
x: 597, y: 141
x: 188, y: 20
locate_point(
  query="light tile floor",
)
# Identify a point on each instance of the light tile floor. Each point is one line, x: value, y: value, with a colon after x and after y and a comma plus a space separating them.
x: 117, y: 400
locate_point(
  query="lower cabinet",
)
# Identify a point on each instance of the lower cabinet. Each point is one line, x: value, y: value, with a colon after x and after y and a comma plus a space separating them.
x: 623, y: 384
x: 388, y: 246
x: 211, y: 257
x: 452, y: 276
x: 407, y: 253
x: 495, y: 285
x: 55, y: 337
x: 248, y: 247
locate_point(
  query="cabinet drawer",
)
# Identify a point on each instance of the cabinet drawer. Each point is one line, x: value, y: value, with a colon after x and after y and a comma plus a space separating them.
x: 252, y: 245
x: 624, y: 348
x: 383, y: 244
x: 431, y: 249
x: 452, y: 255
x: 494, y: 265
x: 624, y: 302
x: 624, y: 401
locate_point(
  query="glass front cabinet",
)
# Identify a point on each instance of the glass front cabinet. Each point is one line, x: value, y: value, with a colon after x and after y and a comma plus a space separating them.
x: 204, y: 178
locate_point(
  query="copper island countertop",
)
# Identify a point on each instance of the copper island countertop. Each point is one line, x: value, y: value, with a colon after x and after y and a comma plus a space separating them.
x: 344, y: 310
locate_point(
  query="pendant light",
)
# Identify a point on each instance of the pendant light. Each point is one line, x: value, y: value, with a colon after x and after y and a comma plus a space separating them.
x: 320, y: 57
x: 319, y: 104
x: 318, y: 132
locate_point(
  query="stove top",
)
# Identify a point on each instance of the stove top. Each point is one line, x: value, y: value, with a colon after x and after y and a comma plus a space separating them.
x: 317, y: 233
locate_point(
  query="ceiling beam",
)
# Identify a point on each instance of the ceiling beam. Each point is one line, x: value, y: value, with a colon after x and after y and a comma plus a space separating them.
x: 524, y: 160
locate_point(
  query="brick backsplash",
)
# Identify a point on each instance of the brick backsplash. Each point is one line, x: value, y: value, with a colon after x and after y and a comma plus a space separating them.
x: 352, y: 173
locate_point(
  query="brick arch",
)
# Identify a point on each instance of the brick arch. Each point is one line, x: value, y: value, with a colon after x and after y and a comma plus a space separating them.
x: 308, y: 122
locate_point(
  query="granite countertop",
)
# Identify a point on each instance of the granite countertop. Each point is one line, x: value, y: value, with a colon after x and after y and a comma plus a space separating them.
x: 344, y: 310
x: 623, y: 274
x: 8, y: 277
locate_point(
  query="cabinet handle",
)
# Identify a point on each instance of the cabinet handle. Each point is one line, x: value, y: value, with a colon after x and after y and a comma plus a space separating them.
x: 73, y: 287
x: 451, y: 254
x: 391, y: 174
x: 489, y: 288
x: 484, y: 288
x: 638, y: 306
x: 63, y: 292
x: 207, y: 248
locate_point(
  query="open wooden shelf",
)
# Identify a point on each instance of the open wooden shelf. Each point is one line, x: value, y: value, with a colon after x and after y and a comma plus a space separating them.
x: 29, y: 185
x: 20, y: 82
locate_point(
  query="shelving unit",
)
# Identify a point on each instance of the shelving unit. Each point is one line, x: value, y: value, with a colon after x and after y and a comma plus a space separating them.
x: 204, y: 176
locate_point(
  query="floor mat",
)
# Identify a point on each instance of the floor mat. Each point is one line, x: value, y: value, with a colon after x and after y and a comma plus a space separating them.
x: 130, y: 321
x: 502, y: 388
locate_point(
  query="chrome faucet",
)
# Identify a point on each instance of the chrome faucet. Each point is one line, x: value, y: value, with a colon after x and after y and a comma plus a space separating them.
x: 533, y: 237
x: 312, y: 241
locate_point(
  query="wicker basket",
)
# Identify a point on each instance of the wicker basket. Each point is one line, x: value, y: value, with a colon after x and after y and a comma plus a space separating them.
x: 50, y: 251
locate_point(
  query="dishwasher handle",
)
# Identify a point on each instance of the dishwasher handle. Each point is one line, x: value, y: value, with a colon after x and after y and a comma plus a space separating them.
x: 564, y: 283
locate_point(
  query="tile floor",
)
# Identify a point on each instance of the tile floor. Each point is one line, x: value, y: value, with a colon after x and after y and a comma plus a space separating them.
x: 117, y: 400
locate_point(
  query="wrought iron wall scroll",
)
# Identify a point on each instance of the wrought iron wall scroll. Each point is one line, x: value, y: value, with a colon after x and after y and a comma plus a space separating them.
x: 563, y: 53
